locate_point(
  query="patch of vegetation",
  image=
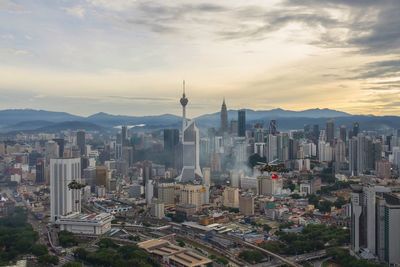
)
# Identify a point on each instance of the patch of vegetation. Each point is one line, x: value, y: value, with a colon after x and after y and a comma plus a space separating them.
x: 313, y: 237
x: 17, y: 238
x: 113, y: 255
x: 251, y: 256
x: 344, y: 259
x: 67, y: 239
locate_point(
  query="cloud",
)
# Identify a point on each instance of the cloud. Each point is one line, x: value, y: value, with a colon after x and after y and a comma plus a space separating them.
x: 379, y: 69
x: 76, y: 11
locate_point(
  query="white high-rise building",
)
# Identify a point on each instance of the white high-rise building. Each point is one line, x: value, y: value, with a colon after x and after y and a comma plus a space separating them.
x: 272, y: 148
x: 191, y: 146
x: 63, y: 200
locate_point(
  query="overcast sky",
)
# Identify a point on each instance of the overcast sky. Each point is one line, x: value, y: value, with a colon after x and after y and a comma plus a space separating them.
x: 130, y: 57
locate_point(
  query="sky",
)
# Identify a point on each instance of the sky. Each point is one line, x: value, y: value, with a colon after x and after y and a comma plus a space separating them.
x: 131, y: 56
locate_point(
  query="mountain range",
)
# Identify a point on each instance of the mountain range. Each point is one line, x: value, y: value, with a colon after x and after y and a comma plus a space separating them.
x: 29, y: 120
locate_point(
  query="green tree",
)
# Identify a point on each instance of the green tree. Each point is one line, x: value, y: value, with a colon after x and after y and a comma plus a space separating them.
x: 47, y: 260
x: 251, y: 256
x: 67, y: 239
x: 39, y: 250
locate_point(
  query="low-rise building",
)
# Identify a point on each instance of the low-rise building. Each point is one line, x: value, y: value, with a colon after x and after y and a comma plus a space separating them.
x: 86, y: 224
x: 168, y: 254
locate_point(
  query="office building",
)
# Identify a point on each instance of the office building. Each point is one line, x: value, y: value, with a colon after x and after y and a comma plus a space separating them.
x: 124, y: 136
x: 61, y: 143
x: 192, y: 194
x: 330, y: 131
x: 166, y: 193
x: 273, y: 127
x: 246, y: 204
x: 241, y: 123
x: 375, y: 221
x: 269, y: 185
x: 230, y: 197
x: 343, y: 133
x: 224, y: 118
x: 63, y: 200
x: 40, y: 171
x: 81, y: 141
x: 383, y: 169
x: 157, y: 209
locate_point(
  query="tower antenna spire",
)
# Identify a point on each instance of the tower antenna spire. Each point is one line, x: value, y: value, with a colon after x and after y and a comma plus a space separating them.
x: 183, y: 87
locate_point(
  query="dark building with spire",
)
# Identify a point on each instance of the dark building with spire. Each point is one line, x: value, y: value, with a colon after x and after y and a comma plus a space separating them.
x: 224, y: 118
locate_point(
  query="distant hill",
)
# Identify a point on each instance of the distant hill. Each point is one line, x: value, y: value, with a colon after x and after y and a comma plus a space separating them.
x: 263, y: 115
x: 115, y: 120
x: 26, y: 125
x: 28, y: 120
x: 14, y: 116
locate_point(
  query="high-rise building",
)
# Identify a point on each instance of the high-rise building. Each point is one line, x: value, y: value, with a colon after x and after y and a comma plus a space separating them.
x: 147, y: 171
x: 269, y: 185
x: 60, y: 142
x: 315, y: 131
x: 325, y: 152
x: 192, y: 194
x: 40, y: 171
x: 171, y: 147
x: 224, y: 118
x: 388, y: 221
x: 190, y: 147
x: 353, y: 156
x: 51, y: 150
x: 272, y: 127
x: 81, y: 141
x: 375, y: 216
x: 124, y: 135
x: 230, y: 197
x: 234, y: 127
x: 64, y: 200
x: 383, y: 169
x: 171, y: 140
x: 330, y: 131
x: 272, y: 148
x: 166, y: 193
x: 246, y: 204
x: 356, y: 129
x: 343, y: 133
x: 157, y: 209
x: 242, y: 122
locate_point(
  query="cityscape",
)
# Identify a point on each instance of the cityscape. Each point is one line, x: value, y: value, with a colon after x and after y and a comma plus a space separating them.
x: 238, y: 194
x: 199, y: 134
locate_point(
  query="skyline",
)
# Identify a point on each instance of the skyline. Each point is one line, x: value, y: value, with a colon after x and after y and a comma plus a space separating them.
x: 129, y: 57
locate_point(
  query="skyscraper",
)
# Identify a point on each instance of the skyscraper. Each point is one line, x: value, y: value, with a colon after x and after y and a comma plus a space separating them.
x: 272, y: 127
x: 40, y: 171
x: 242, y: 122
x: 190, y: 146
x: 81, y: 141
x: 124, y: 135
x: 356, y: 128
x: 343, y: 133
x: 171, y: 139
x: 224, y: 118
x: 171, y: 148
x: 60, y: 142
x: 63, y: 200
x: 330, y: 131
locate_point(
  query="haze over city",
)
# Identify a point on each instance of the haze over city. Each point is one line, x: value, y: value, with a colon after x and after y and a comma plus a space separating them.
x: 129, y: 57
